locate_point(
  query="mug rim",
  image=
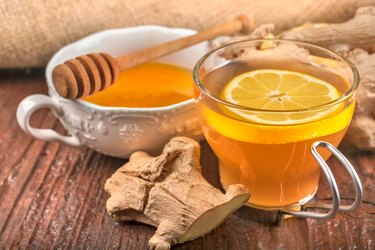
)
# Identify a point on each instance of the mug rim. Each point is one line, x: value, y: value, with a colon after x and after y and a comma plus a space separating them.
x: 343, y: 97
x: 97, y: 35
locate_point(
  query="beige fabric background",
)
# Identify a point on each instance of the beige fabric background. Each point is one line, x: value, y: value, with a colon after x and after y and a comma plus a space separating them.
x: 32, y: 30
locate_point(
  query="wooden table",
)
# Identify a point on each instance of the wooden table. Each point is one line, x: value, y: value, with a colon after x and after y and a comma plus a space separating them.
x: 52, y: 195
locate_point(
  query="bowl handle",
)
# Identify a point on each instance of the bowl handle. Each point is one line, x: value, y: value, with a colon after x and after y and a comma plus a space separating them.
x: 34, y: 102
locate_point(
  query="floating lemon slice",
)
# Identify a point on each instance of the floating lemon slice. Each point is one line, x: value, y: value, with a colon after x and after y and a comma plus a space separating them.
x: 279, y: 90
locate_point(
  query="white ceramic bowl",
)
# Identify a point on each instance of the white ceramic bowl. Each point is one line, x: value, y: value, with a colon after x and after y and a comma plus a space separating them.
x: 117, y: 131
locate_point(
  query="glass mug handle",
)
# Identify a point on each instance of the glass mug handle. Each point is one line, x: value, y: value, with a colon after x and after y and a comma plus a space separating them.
x: 335, y: 206
x: 34, y: 102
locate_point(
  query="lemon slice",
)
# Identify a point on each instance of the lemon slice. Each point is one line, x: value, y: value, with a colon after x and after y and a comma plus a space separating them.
x: 279, y: 90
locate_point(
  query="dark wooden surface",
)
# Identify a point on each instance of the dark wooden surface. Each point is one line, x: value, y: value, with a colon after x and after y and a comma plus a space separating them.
x: 51, y: 195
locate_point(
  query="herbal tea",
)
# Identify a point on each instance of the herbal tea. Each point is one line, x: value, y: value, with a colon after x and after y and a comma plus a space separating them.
x: 267, y: 147
x: 147, y: 85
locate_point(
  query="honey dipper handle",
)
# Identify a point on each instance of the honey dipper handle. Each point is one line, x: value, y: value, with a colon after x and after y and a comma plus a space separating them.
x: 240, y: 24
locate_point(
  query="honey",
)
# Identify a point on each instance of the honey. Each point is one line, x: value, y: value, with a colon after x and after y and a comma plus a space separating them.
x: 148, y: 85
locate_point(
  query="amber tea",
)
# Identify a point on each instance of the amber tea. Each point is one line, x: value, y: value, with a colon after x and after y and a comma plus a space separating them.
x: 261, y: 117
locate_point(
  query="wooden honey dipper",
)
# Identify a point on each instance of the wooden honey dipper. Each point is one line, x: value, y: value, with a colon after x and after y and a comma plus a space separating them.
x: 91, y: 73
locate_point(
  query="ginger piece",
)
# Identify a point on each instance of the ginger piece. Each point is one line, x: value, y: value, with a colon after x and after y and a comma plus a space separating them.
x: 358, y: 32
x: 262, y: 31
x: 361, y: 131
x: 267, y: 51
x: 169, y: 192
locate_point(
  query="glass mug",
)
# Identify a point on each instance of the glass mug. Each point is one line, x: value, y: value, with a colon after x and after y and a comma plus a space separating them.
x: 266, y: 107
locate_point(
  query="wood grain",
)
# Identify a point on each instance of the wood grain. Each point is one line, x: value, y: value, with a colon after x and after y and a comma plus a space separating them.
x: 52, y: 195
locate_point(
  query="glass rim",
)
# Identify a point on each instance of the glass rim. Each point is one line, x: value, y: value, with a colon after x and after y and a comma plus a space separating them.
x: 342, y: 98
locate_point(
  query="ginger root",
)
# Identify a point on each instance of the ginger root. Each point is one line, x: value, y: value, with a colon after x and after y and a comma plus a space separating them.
x: 361, y: 131
x: 169, y: 192
x: 358, y: 32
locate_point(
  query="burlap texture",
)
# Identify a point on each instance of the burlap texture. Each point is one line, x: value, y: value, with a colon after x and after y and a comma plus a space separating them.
x: 32, y: 30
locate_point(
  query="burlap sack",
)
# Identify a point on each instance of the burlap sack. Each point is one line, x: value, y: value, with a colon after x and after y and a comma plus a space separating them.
x: 32, y: 30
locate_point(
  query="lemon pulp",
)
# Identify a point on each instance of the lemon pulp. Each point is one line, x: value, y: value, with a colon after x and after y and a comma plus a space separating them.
x: 281, y: 91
